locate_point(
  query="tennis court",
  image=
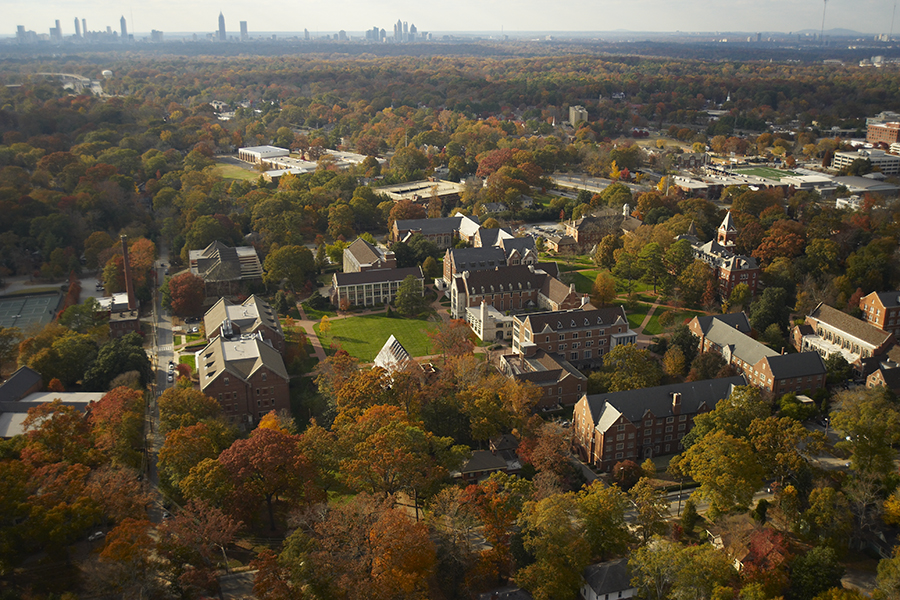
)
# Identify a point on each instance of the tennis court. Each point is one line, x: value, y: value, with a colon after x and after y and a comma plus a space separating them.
x: 766, y: 172
x: 24, y: 311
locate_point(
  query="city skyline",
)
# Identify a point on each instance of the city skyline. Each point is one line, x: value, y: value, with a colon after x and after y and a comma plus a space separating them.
x: 864, y: 16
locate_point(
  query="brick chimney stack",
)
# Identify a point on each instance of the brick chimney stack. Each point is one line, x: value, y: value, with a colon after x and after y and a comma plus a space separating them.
x: 129, y: 285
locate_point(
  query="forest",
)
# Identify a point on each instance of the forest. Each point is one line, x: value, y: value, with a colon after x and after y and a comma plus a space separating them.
x: 352, y: 495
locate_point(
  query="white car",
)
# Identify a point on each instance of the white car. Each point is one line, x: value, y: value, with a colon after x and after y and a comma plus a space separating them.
x: 171, y: 367
x: 171, y: 377
x: 96, y: 536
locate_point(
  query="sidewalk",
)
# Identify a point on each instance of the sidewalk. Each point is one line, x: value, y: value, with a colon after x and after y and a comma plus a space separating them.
x: 307, y: 326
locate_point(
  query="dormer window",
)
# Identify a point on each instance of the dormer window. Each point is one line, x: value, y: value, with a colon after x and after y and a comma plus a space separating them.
x: 599, y: 321
x: 559, y: 324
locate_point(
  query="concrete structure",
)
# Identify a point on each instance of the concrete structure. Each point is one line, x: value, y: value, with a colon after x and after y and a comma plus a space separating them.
x: 253, y: 315
x: 822, y: 184
x: 886, y: 163
x: 221, y: 33
x: 488, y: 323
x: 258, y: 155
x: 515, y: 289
x: 244, y: 34
x: 246, y: 375
x: 640, y: 424
x: 22, y: 391
x: 577, y: 114
x: 581, y: 336
x: 831, y: 331
x: 423, y: 190
x: 867, y: 185
x: 369, y: 288
x: 362, y: 256
x: 607, y: 580
x: 882, y: 310
x: 561, y: 383
x: 226, y: 271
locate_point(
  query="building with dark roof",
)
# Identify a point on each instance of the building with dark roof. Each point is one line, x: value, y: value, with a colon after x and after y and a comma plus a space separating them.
x: 610, y: 579
x: 561, y: 384
x: 836, y: 332
x: 701, y: 324
x: 731, y: 269
x: 22, y: 391
x: 368, y: 288
x: 483, y: 463
x: 882, y: 310
x: 226, y: 271
x: 519, y: 288
x: 460, y: 260
x: 640, y: 424
x: 442, y: 232
x: 363, y: 256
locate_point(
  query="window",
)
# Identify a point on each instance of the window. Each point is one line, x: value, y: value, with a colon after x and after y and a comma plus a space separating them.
x: 621, y: 428
x: 573, y: 356
x: 620, y: 437
x: 226, y: 381
x: 668, y: 428
x: 668, y: 438
x: 631, y: 436
x: 670, y: 419
x: 263, y: 376
x: 587, y: 354
x: 620, y: 446
x: 574, y: 335
x: 257, y: 391
x: 618, y: 455
x: 682, y: 418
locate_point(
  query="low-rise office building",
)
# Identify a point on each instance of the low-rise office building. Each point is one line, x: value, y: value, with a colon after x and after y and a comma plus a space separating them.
x: 368, y: 288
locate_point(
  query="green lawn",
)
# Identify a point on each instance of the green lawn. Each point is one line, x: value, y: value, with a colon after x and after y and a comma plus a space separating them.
x: 654, y: 328
x: 583, y: 280
x: 636, y: 316
x: 364, y: 336
x: 189, y: 360
x: 234, y: 172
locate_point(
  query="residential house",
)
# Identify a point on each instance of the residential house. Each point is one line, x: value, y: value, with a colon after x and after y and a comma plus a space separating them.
x: 764, y: 367
x: 253, y: 315
x: 834, y: 332
x: 607, y: 581
x: 518, y: 288
x: 582, y: 336
x: 561, y: 384
x: 882, y: 310
x: 246, y: 375
x: 887, y: 373
x: 226, y: 271
x: 362, y: 256
x: 485, y: 462
x: 640, y: 424
x: 369, y: 288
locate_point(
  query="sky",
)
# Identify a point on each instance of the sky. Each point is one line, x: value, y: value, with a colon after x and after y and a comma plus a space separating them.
x: 201, y: 16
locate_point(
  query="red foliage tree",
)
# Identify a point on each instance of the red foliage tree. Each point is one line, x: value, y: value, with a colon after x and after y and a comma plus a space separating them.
x: 186, y: 294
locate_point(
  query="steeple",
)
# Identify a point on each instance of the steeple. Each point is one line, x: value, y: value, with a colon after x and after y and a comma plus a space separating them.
x: 727, y: 234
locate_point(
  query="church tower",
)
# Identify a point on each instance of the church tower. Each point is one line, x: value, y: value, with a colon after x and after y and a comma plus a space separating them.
x: 727, y: 232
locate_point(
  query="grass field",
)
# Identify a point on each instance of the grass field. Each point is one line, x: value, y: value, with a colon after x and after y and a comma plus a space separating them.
x: 189, y: 360
x: 364, y: 336
x: 235, y: 172
x: 636, y: 316
x: 654, y: 328
x: 767, y: 172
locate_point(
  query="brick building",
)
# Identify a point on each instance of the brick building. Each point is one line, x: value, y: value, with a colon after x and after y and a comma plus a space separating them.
x: 246, y: 375
x: 253, y: 315
x: 371, y: 287
x: 442, y: 232
x: 561, y: 384
x: 882, y: 310
x: 887, y: 133
x: 731, y: 269
x: 582, y: 337
x: 640, y: 424
x: 829, y: 331
x: 226, y: 271
x: 518, y: 288
x: 362, y: 256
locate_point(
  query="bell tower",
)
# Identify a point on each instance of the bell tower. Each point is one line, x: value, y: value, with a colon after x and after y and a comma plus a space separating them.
x: 727, y: 232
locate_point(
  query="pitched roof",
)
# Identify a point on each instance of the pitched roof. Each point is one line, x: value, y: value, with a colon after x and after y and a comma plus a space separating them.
x: 608, y: 577
x: 251, y: 314
x: 19, y: 384
x: 804, y: 364
x: 364, y: 252
x: 889, y: 299
x: 737, y: 344
x: 484, y: 460
x: 429, y: 226
x: 738, y: 321
x: 563, y: 320
x: 377, y: 276
x: 522, y: 244
x: 556, y: 290
x: 473, y: 258
x: 492, y: 237
x: 727, y: 222
x: 501, y: 279
x: 891, y: 377
x: 850, y: 325
x: 393, y: 357
x: 240, y: 357
x: 633, y: 404
x: 218, y: 262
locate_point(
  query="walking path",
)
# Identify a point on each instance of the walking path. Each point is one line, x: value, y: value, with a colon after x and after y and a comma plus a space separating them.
x: 307, y: 326
x: 643, y: 340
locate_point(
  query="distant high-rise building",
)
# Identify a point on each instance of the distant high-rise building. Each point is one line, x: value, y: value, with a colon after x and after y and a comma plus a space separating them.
x: 20, y: 34
x: 124, y: 27
x: 56, y: 32
x: 405, y: 32
x: 306, y: 34
x: 84, y: 26
x: 156, y: 36
x: 244, y: 35
x: 222, y: 37
x: 398, y: 31
x: 412, y: 32
x: 382, y: 35
x: 342, y: 35
x: 77, y: 28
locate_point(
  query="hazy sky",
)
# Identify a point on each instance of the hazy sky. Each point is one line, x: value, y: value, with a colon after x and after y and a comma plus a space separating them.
x: 868, y: 16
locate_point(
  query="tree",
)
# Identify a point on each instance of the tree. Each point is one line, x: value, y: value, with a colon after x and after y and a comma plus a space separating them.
x: 185, y: 447
x: 57, y: 433
x: 651, y: 508
x: 828, y: 518
x: 185, y: 407
x: 290, y: 266
x: 650, y: 261
x: 628, y: 367
x: 627, y: 268
x: 814, y: 572
x: 340, y: 221
x: 9, y: 344
x: 673, y: 362
x: 185, y: 295
x: 888, y: 579
x: 604, y: 290
x: 694, y: 281
x: 431, y: 268
x: 128, y: 555
x: 771, y: 307
x: 739, y: 297
x: 601, y: 510
x: 117, y: 421
x: 733, y: 415
x: 626, y: 474
x: 270, y: 465
x: 410, y: 300
x: 552, y: 535
x: 82, y: 318
x: 871, y: 425
x: 725, y: 468
x: 116, y: 357
x: 778, y: 442
x: 453, y: 338
x: 665, y: 569
x: 837, y: 368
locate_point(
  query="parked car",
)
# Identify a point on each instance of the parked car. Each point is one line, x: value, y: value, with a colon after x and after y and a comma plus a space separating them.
x: 96, y: 536
x: 194, y: 330
x: 171, y: 367
x: 171, y: 377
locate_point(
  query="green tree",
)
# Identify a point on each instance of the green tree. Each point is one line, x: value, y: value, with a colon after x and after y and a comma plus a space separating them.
x: 663, y: 569
x: 837, y: 369
x: 814, y: 572
x: 628, y: 367
x: 694, y: 282
x: 116, y: 357
x: 341, y: 219
x: 739, y: 297
x: 410, y: 300
x: 651, y: 509
x: 627, y: 269
x: 601, y: 510
x: 290, y: 266
x: 650, y: 261
x: 733, y: 415
x: 871, y: 425
x: 431, y: 268
x: 771, y: 307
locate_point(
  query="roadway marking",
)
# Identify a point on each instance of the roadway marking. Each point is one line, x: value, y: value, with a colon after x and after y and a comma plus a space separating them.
x: 168, y: 347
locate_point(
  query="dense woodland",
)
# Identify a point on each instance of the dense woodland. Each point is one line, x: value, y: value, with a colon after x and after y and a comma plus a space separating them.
x: 351, y: 497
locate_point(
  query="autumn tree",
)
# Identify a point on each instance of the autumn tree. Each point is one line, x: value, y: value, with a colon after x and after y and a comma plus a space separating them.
x: 651, y: 509
x: 117, y: 422
x: 664, y: 569
x: 56, y: 433
x: 603, y: 290
x: 601, y: 511
x: 184, y: 294
x: 673, y: 362
x: 628, y: 367
x: 452, y: 339
x: 289, y: 266
x: 184, y: 407
x: 871, y: 425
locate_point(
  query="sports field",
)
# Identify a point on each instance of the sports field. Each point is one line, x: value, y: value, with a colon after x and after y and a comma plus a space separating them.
x: 234, y: 172
x: 364, y: 336
x: 767, y: 172
x: 23, y: 311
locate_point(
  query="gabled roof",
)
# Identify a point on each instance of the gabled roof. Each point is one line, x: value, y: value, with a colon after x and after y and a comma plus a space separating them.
x: 738, y: 321
x: 19, y: 384
x: 804, y: 364
x: 633, y: 404
x: 377, y: 276
x: 239, y: 357
x: 484, y: 460
x: 364, y: 252
x: 218, y: 262
x: 850, y: 325
x: 393, y: 357
x: 608, y: 577
x: 521, y: 244
x: 556, y: 290
x: 429, y: 226
x: 472, y: 258
x: 564, y: 320
x: 728, y: 223
x: 492, y: 237
x: 891, y: 377
x: 888, y: 299
x: 251, y: 314
x: 738, y: 344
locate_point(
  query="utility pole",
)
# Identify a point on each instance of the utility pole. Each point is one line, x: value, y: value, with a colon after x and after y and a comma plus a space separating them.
x: 824, y: 8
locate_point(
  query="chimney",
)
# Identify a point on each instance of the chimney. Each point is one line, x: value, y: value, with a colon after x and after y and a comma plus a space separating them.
x: 129, y: 285
x: 584, y: 299
x: 676, y: 402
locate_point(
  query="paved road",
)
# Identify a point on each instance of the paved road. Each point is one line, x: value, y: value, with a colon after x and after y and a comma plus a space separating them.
x: 161, y: 353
